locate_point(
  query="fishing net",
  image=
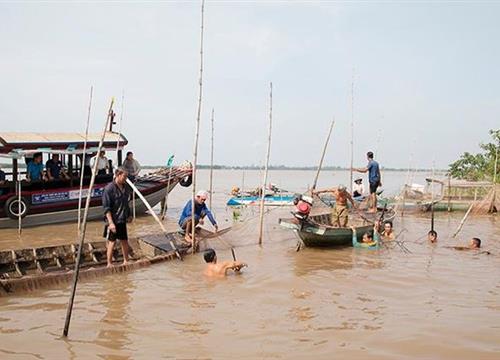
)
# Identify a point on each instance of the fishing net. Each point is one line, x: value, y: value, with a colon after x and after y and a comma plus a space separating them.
x: 489, y: 204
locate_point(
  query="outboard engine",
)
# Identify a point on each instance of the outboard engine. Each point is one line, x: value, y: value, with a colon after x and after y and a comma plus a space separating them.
x: 303, y: 205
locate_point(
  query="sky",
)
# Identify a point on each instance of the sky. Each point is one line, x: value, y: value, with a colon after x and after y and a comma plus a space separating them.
x: 426, y: 77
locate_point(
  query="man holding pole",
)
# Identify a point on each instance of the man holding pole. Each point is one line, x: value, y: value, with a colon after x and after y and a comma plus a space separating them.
x: 374, y: 178
x: 200, y: 211
x: 115, y: 200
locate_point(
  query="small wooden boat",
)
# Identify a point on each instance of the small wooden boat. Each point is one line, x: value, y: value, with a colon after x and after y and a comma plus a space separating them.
x: 317, y: 231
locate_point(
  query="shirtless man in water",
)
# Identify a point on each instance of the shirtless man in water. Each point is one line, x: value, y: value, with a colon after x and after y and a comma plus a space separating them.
x: 474, y: 244
x: 215, y: 269
x: 340, y: 211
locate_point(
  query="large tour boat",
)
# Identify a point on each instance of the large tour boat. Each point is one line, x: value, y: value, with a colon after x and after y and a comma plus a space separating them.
x: 33, y: 203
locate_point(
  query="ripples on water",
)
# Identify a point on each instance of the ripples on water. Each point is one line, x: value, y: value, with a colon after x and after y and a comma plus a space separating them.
x: 345, y: 303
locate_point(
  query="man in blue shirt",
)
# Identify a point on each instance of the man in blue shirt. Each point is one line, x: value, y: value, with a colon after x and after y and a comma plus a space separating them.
x: 55, y: 169
x: 200, y: 211
x: 34, y: 171
x: 374, y: 178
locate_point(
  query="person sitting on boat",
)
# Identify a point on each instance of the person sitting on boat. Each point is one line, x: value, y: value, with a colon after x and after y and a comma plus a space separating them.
x: 388, y: 233
x: 132, y: 166
x: 369, y: 241
x: 55, y: 169
x: 34, y: 172
x: 102, y: 163
x: 215, y: 269
x: 115, y: 201
x: 374, y: 178
x: 432, y: 236
x: 340, y: 213
x: 358, y: 188
x: 2, y: 179
x: 201, y: 210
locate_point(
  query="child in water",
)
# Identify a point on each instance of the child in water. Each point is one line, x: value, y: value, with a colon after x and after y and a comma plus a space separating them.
x: 432, y: 236
x: 369, y: 241
x: 214, y: 269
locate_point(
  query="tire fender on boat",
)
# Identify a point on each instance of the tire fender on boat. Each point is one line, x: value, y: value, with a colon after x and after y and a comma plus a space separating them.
x: 12, y: 203
x: 186, y: 181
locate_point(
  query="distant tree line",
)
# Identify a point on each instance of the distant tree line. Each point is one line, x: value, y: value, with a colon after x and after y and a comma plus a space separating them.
x: 481, y: 166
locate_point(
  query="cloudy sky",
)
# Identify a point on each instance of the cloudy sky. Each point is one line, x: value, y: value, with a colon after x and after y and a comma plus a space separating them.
x: 426, y: 76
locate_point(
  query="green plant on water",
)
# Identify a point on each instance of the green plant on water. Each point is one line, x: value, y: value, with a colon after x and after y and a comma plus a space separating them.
x: 481, y: 166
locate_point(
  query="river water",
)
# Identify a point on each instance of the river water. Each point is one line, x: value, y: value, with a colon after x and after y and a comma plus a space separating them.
x: 433, y: 303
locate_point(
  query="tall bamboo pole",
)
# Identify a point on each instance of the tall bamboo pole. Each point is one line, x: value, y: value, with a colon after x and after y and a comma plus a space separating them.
x: 82, y: 165
x: 211, y: 162
x: 493, y: 200
x: 19, y: 205
x: 84, y: 225
x: 320, y: 165
x: 432, y: 196
x: 352, y: 131
x: 197, y: 131
x: 120, y: 126
x: 268, y: 153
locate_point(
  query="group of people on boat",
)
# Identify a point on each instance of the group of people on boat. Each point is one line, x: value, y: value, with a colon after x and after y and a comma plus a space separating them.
x: 54, y: 168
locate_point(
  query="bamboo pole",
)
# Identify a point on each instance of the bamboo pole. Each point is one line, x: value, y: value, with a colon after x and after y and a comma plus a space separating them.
x: 120, y: 126
x: 242, y: 182
x: 151, y: 211
x: 432, y: 196
x: 449, y: 192
x: 211, y: 162
x: 493, y: 200
x: 82, y: 165
x: 352, y: 131
x: 197, y: 131
x: 84, y: 225
x: 463, y: 220
x: 268, y: 153
x: 165, y: 206
x: 320, y: 165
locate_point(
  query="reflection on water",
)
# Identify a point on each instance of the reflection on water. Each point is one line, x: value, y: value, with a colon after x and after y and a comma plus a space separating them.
x: 347, y: 303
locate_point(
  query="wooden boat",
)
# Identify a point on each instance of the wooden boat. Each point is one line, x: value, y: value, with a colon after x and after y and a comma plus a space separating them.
x: 49, y: 202
x: 317, y: 231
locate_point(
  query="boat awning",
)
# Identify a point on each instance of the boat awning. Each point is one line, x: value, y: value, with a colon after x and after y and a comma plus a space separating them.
x: 17, y: 145
x: 459, y: 183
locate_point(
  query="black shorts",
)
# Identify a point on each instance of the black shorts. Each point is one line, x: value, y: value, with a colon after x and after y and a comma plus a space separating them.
x: 374, y: 186
x: 120, y: 234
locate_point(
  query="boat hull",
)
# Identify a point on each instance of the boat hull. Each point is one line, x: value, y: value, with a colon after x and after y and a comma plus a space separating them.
x: 285, y: 200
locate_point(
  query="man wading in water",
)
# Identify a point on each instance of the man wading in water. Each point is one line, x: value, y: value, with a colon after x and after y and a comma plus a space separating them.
x: 116, y: 214
x: 374, y: 178
x: 340, y: 212
x: 214, y: 269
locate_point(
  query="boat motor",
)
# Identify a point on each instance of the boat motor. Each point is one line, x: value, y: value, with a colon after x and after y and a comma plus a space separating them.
x: 303, y: 205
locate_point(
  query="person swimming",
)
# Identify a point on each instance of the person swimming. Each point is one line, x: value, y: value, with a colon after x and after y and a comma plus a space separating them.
x: 388, y: 233
x: 368, y: 241
x: 215, y: 269
x: 432, y: 236
x: 474, y: 244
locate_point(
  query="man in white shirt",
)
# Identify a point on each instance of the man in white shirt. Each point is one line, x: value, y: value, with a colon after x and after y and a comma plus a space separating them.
x: 357, y: 188
x: 102, y: 163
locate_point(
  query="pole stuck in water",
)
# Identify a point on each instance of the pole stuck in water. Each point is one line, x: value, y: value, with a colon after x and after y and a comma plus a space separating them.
x: 84, y: 224
x: 197, y: 131
x: 268, y: 153
x: 211, y: 163
x: 432, y: 196
x: 19, y: 208
x: 352, y: 131
x: 320, y: 165
x: 84, y: 155
x: 165, y: 200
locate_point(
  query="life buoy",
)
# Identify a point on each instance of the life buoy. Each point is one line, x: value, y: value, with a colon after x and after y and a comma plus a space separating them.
x: 12, y: 207
x: 186, y: 181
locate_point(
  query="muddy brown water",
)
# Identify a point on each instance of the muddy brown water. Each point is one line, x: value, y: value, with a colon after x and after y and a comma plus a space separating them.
x: 434, y: 303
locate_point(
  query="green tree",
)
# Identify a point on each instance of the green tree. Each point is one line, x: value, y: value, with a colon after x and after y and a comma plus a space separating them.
x: 476, y: 167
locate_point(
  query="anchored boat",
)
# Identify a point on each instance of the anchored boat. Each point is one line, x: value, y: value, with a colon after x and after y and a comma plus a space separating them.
x: 56, y: 201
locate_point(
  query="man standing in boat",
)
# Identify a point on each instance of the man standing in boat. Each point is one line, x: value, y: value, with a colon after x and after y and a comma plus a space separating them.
x: 340, y: 213
x: 115, y: 200
x: 200, y: 211
x: 374, y: 178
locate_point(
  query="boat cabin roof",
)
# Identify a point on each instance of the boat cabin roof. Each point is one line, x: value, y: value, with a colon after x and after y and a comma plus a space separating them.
x: 17, y: 145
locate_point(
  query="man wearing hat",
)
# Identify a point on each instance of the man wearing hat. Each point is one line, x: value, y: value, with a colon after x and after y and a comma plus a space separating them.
x: 357, y: 188
x: 200, y: 211
x: 340, y: 213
